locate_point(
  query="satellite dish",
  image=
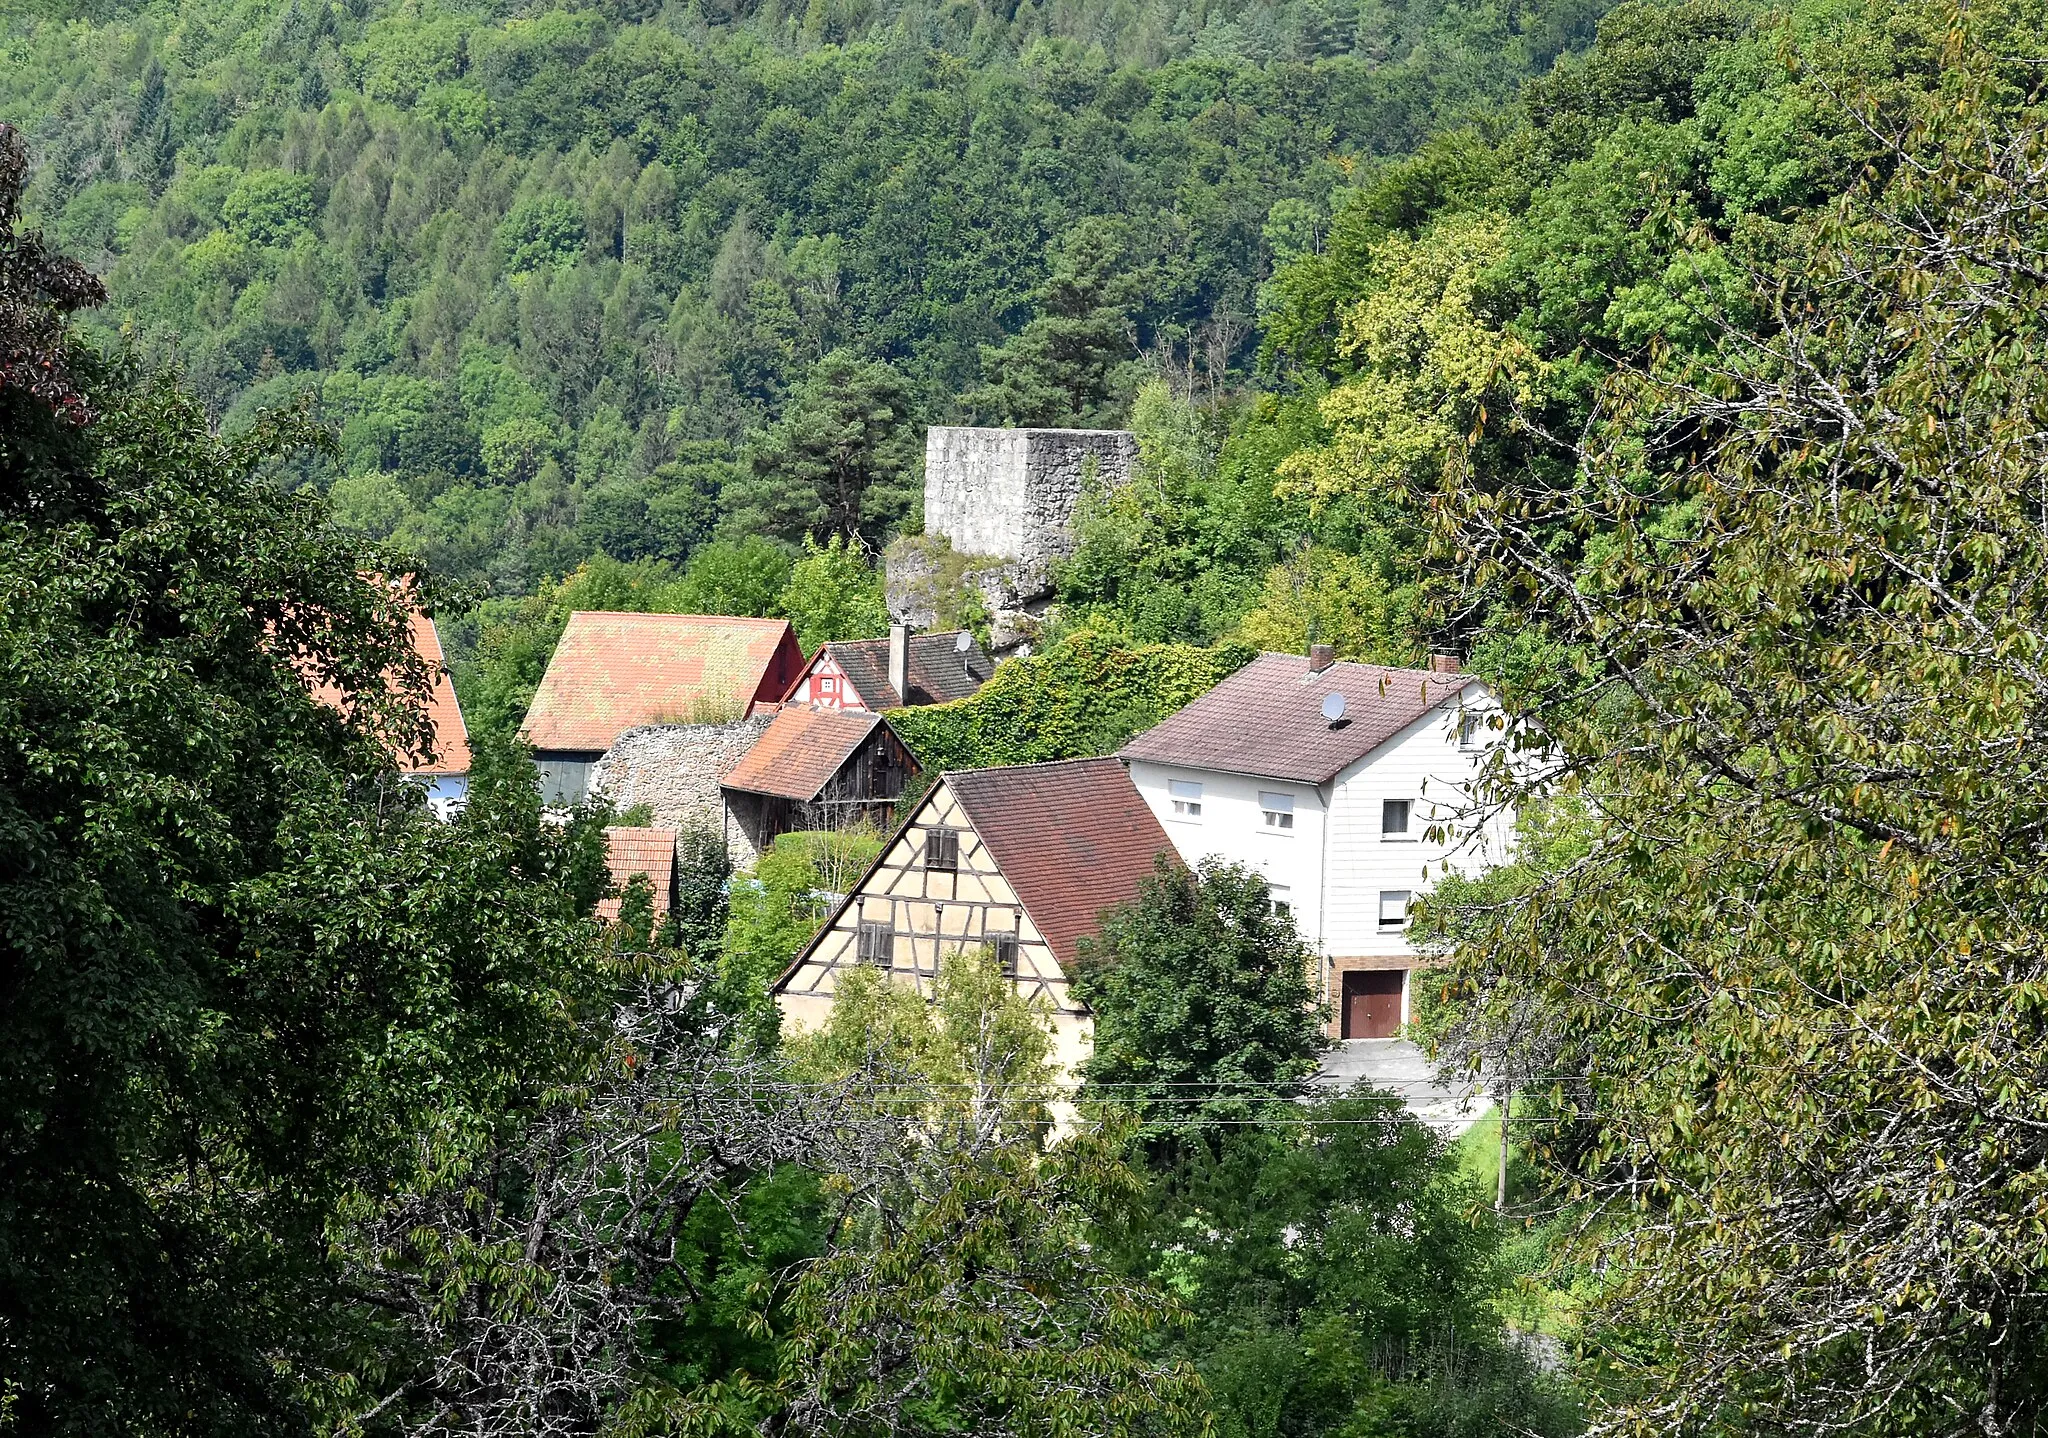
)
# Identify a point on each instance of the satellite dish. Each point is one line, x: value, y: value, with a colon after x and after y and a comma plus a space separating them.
x: 964, y: 643
x: 1333, y: 706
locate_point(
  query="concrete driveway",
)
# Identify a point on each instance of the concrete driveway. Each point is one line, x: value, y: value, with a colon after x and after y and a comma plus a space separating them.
x: 1400, y: 1068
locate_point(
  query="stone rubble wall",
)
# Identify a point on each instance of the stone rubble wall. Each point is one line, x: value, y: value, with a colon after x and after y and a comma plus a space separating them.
x: 675, y: 770
x: 1012, y: 493
x: 1009, y: 495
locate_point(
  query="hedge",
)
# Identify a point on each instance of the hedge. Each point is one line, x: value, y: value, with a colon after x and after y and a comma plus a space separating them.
x: 1084, y: 695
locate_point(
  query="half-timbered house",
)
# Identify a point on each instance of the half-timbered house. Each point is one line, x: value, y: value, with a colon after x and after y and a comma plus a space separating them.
x: 1022, y: 860
x: 898, y: 672
x: 817, y: 769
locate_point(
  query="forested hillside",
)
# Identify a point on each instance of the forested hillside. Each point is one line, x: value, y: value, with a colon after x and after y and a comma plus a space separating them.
x: 1686, y: 377
x: 547, y: 269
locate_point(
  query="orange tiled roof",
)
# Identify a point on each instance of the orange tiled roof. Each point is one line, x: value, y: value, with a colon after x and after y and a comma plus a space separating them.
x: 444, y: 711
x: 451, y: 735
x: 638, y: 851
x: 614, y: 672
x: 800, y: 751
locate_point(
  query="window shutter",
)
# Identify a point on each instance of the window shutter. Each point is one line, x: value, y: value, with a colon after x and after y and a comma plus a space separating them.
x: 877, y: 944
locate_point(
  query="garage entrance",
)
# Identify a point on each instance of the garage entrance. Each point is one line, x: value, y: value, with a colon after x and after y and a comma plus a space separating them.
x: 1371, y: 1006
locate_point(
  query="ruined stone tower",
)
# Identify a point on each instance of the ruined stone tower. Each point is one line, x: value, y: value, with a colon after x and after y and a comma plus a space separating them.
x: 1011, y: 493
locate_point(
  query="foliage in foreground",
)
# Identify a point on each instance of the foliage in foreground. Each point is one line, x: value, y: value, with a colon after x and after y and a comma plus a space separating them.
x: 243, y: 964
x: 1204, y: 1000
x: 1342, y: 1279
x: 1797, y: 970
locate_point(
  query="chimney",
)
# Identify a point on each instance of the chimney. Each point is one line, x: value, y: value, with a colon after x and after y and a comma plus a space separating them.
x: 1443, y: 663
x: 1321, y: 657
x: 899, y: 661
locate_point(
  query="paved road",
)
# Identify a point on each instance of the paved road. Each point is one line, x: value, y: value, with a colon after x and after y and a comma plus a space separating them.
x: 1399, y: 1067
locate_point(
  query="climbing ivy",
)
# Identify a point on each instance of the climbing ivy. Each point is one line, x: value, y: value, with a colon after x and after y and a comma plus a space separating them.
x: 1083, y: 695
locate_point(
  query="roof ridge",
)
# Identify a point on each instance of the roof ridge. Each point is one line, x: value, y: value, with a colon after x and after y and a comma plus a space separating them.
x: 1034, y: 764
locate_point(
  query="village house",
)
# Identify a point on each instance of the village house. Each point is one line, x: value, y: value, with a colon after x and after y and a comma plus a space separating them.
x: 442, y: 771
x: 1021, y: 860
x: 647, y: 852
x: 903, y: 670
x: 817, y: 769
x: 1327, y: 778
x: 615, y: 672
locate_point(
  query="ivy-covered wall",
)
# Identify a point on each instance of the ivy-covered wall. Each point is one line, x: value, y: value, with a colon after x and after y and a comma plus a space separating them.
x: 1084, y: 695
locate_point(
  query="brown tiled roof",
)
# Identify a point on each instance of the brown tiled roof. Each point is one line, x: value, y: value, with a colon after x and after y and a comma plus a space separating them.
x: 451, y: 735
x: 638, y: 851
x: 1073, y: 839
x: 1267, y: 718
x: 614, y: 672
x: 799, y: 752
x: 938, y: 671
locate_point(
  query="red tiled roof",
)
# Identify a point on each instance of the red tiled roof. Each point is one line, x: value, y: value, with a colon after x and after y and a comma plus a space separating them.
x: 800, y: 750
x: 444, y: 711
x: 638, y: 851
x: 938, y: 671
x: 451, y: 735
x: 1073, y: 838
x: 614, y: 672
x: 1267, y: 718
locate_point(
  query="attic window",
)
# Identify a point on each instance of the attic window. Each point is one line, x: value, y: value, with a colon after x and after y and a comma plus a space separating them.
x: 1187, y: 798
x: 877, y: 944
x: 1394, y: 815
x: 1005, y: 946
x: 1468, y: 731
x: 1278, y: 810
x: 942, y: 850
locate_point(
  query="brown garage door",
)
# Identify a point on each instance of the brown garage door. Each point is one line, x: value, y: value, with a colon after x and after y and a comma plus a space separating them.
x: 1372, y: 1003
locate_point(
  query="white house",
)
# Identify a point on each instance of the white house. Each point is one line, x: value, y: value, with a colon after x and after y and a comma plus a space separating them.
x: 1327, y: 778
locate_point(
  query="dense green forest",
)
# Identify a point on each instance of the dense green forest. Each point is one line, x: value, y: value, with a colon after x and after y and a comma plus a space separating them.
x: 552, y: 272
x: 1681, y: 366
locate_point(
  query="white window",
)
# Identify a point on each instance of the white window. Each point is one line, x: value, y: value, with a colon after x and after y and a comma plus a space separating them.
x: 1278, y: 809
x: 1187, y: 798
x: 1393, y: 908
x: 1468, y: 731
x: 1283, y: 900
x: 1394, y: 816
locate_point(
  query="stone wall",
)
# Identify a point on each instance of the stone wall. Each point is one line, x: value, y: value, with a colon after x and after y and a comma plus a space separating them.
x: 1009, y: 495
x: 675, y: 770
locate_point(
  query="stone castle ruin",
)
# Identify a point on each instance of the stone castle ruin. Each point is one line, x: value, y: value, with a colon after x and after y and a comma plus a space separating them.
x: 1005, y: 499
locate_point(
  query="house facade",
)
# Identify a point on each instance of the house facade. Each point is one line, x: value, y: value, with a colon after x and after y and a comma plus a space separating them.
x: 1328, y: 778
x: 817, y: 769
x: 1022, y: 860
x: 871, y: 675
x: 614, y: 672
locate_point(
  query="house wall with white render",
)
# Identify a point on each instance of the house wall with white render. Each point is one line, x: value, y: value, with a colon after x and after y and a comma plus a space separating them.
x: 1346, y: 865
